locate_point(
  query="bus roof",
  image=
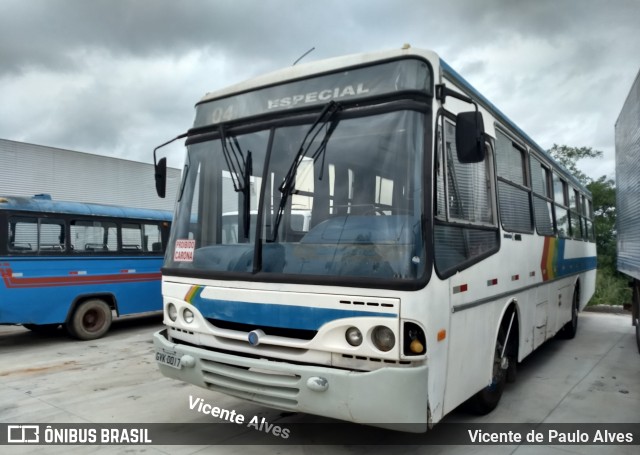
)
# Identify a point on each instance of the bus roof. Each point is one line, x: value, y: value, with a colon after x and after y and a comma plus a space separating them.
x: 318, y: 67
x: 315, y: 68
x: 44, y: 204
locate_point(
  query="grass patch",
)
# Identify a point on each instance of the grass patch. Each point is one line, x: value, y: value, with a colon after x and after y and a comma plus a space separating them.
x: 612, y: 288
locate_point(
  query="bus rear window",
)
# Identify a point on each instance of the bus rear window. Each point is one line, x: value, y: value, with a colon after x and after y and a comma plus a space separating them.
x: 23, y: 234
x: 30, y: 235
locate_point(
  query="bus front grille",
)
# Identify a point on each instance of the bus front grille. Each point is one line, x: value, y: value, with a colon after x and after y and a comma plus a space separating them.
x: 268, y: 387
x: 299, y: 334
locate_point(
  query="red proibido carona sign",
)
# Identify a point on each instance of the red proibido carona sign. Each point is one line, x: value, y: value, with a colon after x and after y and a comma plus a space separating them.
x: 184, y: 250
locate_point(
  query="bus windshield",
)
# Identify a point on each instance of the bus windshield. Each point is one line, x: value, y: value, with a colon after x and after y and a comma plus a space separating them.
x: 352, y: 205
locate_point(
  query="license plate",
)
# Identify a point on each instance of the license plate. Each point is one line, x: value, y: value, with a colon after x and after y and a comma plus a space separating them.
x: 167, y: 359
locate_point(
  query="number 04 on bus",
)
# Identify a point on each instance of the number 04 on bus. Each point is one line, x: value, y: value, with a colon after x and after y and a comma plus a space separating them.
x: 368, y: 238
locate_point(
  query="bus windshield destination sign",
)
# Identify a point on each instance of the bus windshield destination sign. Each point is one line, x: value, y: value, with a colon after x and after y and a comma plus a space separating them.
x: 390, y: 77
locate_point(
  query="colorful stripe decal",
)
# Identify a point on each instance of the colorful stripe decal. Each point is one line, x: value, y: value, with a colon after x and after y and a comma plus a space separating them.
x: 193, y: 290
x: 554, y: 265
x: 271, y: 314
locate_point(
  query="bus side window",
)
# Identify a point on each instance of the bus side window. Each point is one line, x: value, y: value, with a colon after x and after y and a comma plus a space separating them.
x: 89, y: 236
x: 131, y: 237
x: 152, y: 238
x: 52, y: 236
x: 542, y: 197
x: 23, y: 234
x: 574, y: 214
x: 466, y: 227
x: 561, y: 205
x: 513, y: 186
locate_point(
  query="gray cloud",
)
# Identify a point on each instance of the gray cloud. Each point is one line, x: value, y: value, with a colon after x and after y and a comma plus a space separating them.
x: 119, y: 77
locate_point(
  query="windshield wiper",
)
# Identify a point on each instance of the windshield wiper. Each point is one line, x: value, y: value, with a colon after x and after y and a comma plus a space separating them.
x: 288, y: 184
x: 240, y: 169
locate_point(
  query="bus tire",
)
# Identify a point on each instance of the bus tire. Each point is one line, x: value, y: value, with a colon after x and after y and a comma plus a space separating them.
x: 638, y: 333
x: 487, y: 399
x: 90, y: 320
x: 569, y: 330
x: 635, y: 309
x: 42, y: 329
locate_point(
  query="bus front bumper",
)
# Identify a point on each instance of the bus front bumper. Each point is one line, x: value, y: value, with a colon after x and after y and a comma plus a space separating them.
x: 390, y: 397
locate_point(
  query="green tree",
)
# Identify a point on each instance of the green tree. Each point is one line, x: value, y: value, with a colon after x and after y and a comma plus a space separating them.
x: 569, y: 157
x: 603, y: 192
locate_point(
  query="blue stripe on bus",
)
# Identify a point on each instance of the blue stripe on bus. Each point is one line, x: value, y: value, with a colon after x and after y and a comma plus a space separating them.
x: 577, y: 265
x: 574, y: 265
x: 275, y: 315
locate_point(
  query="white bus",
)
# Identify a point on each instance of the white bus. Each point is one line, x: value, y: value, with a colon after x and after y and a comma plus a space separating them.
x: 443, y: 244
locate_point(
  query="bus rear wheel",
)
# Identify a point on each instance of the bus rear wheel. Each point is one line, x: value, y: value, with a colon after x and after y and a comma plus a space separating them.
x: 569, y: 330
x: 635, y: 309
x: 638, y: 333
x: 90, y: 320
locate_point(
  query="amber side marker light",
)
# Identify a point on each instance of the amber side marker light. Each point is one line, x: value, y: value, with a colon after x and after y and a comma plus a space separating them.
x: 442, y: 334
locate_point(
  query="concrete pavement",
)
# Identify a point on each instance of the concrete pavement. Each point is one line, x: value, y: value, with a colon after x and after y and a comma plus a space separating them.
x: 594, y: 378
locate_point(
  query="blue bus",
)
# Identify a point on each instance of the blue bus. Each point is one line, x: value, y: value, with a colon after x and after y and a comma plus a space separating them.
x: 75, y: 264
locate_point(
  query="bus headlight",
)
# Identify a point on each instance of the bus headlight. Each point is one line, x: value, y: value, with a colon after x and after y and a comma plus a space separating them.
x: 353, y: 336
x: 383, y: 338
x: 188, y: 316
x: 172, y: 312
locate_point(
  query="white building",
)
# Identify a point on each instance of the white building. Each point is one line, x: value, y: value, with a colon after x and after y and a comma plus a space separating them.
x: 67, y: 175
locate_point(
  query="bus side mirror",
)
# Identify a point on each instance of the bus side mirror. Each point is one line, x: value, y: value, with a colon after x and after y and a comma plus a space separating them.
x: 470, y: 137
x: 161, y: 177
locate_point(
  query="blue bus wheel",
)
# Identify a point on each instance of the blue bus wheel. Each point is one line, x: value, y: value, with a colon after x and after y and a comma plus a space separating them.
x: 90, y: 320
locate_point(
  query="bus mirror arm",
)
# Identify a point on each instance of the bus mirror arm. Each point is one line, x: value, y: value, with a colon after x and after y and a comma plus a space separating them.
x: 160, y: 167
x: 442, y: 91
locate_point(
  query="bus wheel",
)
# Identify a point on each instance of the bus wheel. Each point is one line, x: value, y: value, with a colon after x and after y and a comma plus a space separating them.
x: 90, y: 320
x: 635, y: 309
x: 43, y: 329
x: 488, y: 398
x: 569, y: 330
x: 638, y: 333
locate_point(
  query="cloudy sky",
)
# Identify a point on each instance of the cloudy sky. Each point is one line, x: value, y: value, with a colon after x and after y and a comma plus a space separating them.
x: 118, y: 77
